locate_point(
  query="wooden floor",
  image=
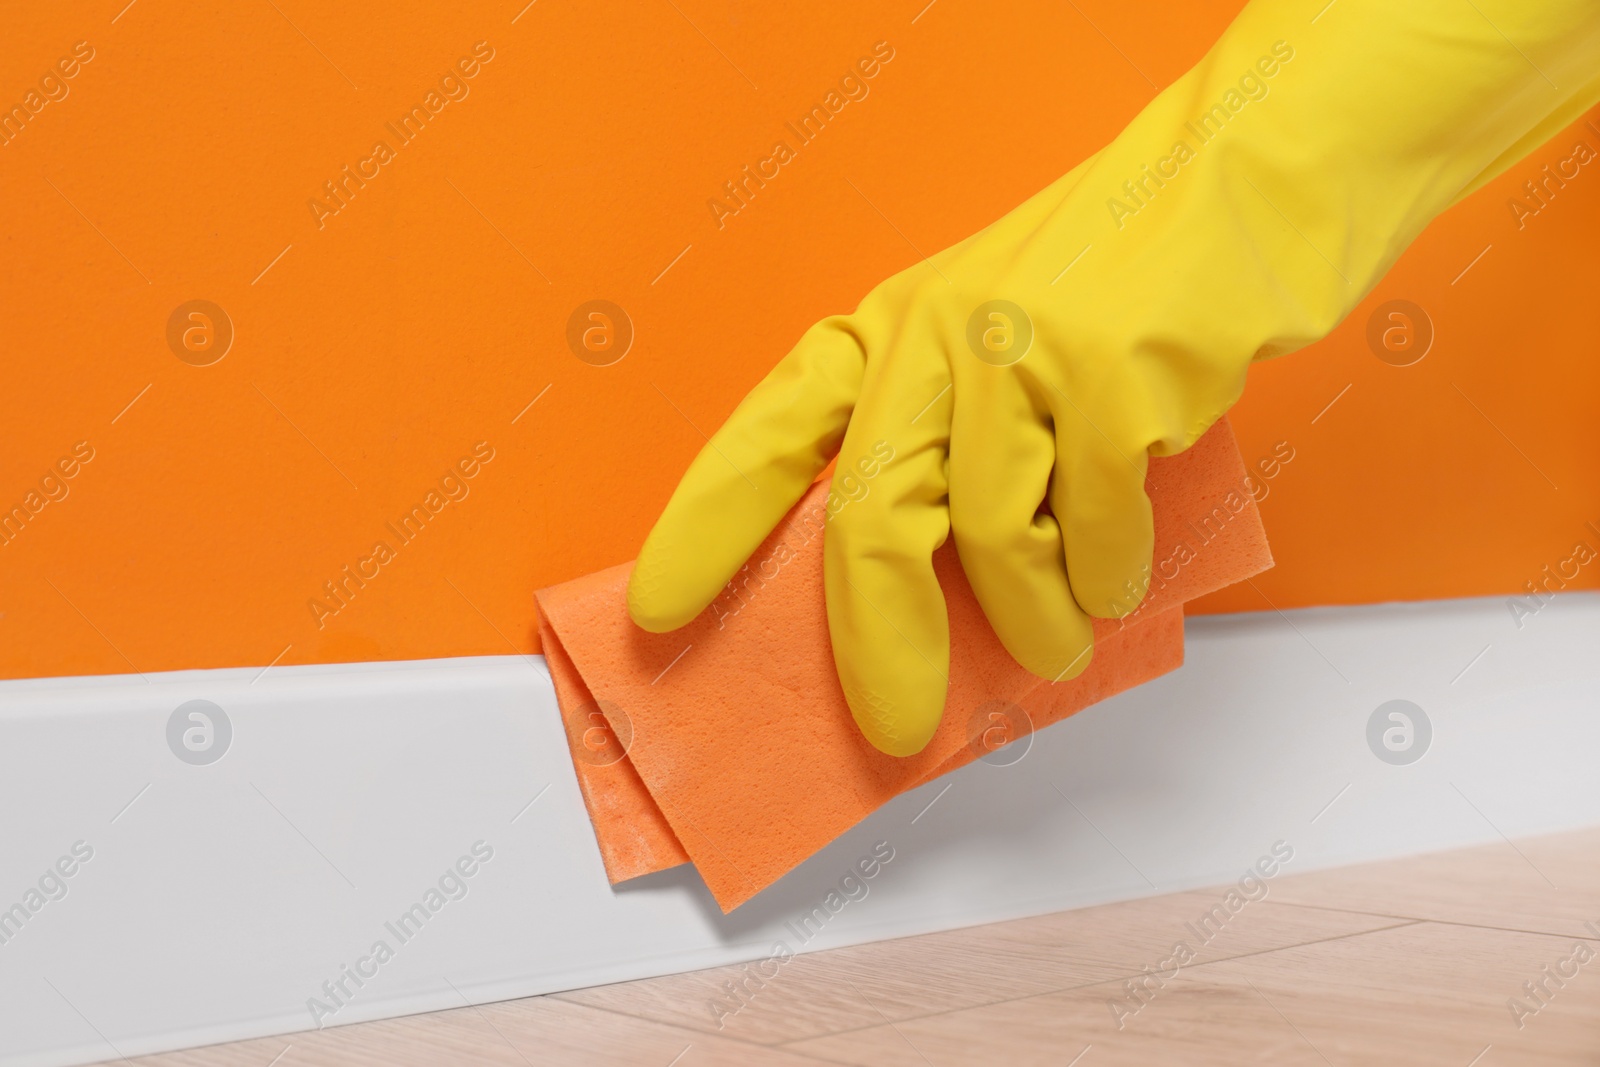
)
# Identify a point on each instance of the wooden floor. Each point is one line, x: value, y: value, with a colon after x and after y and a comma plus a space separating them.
x: 1411, y: 962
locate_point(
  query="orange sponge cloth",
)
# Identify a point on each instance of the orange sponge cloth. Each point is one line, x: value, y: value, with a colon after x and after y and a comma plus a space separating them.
x: 728, y: 743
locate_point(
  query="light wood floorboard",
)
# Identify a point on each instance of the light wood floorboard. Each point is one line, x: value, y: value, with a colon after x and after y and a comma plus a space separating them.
x: 1412, y: 961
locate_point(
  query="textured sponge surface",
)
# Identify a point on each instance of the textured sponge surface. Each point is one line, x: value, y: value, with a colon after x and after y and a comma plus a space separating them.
x: 729, y: 744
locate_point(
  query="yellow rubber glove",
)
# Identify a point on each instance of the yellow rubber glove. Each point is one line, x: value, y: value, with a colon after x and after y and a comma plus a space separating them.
x: 1111, y: 317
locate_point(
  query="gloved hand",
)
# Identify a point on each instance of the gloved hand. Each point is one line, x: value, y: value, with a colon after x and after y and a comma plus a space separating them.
x: 1109, y: 318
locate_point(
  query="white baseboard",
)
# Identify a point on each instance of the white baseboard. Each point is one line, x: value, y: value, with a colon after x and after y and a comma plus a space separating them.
x: 220, y: 897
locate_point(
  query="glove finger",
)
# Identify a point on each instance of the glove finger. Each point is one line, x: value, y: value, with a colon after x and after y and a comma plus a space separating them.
x: 1002, y: 451
x: 747, y: 477
x: 886, y: 612
x: 1107, y: 528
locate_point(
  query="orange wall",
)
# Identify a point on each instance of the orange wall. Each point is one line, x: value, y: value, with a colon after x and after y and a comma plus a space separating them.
x: 376, y: 347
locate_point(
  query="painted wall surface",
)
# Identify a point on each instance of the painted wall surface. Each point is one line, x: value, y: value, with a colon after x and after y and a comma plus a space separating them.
x: 273, y: 275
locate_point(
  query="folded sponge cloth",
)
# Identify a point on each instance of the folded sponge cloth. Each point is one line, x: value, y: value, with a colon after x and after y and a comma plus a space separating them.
x: 728, y: 743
